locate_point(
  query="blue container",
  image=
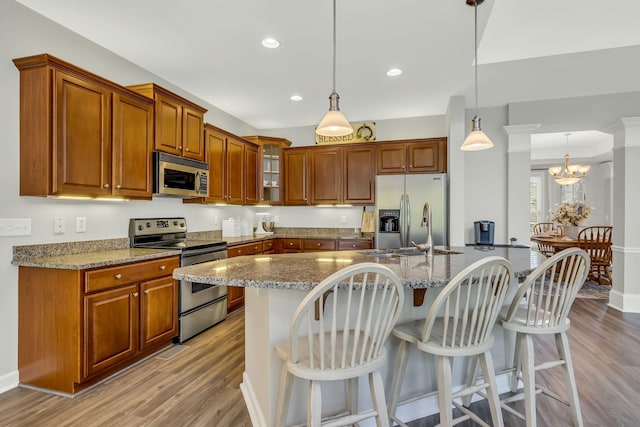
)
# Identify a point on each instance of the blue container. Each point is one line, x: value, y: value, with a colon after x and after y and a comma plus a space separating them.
x: 484, y: 232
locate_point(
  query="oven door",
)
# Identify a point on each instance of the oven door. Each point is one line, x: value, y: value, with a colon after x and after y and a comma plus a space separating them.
x: 194, y: 294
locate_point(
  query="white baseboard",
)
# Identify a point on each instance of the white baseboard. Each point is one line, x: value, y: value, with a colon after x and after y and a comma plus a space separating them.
x: 9, y: 381
x: 255, y: 413
x: 624, y: 302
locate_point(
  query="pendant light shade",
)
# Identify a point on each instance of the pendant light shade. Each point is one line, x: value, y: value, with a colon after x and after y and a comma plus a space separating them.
x: 334, y: 122
x: 477, y: 139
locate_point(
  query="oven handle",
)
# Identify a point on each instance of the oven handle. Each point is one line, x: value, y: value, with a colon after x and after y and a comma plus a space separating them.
x: 198, y: 256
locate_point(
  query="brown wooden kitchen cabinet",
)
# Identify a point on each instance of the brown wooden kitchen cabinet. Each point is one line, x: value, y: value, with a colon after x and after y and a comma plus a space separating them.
x: 354, y: 244
x: 412, y: 156
x: 319, y: 245
x: 75, y: 327
x: 235, y: 294
x: 80, y: 134
x: 270, y: 167
x: 358, y: 175
x: 296, y: 176
x: 233, y: 168
x: 179, y: 123
x: 326, y: 175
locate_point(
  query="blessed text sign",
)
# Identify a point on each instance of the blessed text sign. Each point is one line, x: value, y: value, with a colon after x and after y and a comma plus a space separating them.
x: 362, y: 132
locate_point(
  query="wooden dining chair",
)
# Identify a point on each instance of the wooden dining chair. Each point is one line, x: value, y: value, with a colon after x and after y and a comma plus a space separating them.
x: 549, y: 228
x: 596, y: 241
x: 344, y: 343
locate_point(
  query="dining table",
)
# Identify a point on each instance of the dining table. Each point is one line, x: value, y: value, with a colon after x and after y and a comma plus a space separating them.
x: 558, y: 243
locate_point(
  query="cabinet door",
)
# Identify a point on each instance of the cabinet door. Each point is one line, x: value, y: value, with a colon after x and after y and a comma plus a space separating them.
x: 158, y: 311
x: 132, y: 142
x: 110, y: 328
x: 359, y: 175
x: 192, y: 135
x: 216, y: 145
x: 252, y: 191
x: 168, y: 125
x: 391, y: 158
x: 425, y: 157
x: 296, y: 172
x: 82, y: 155
x: 235, y: 171
x: 326, y: 183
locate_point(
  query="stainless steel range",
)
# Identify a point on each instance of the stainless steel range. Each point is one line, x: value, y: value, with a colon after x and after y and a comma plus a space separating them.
x: 201, y: 305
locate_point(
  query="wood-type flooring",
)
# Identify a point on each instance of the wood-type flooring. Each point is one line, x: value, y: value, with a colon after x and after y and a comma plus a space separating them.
x: 199, y: 386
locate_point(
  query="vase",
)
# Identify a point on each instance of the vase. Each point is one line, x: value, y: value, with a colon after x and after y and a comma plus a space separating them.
x: 571, y: 231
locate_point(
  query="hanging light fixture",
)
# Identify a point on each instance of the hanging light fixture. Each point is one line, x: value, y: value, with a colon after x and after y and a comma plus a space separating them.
x: 334, y: 122
x: 477, y: 139
x: 569, y: 174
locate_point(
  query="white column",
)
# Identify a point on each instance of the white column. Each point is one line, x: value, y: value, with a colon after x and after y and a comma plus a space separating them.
x: 456, y: 134
x: 518, y: 181
x: 625, y: 294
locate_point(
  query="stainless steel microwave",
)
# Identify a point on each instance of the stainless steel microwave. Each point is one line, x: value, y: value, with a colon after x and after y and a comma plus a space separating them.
x: 179, y: 177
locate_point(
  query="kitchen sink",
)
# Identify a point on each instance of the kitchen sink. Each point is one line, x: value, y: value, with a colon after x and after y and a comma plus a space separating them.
x: 396, y: 252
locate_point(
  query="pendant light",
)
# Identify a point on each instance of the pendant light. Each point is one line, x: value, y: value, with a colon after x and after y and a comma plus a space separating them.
x: 334, y: 122
x: 569, y: 174
x: 477, y: 139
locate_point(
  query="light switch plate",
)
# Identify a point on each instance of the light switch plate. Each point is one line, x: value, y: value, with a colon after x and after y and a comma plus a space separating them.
x: 15, y: 226
x: 81, y: 224
x: 58, y: 225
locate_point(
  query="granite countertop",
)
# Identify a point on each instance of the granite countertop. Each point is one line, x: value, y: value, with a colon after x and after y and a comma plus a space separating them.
x: 83, y: 261
x: 305, y: 270
x: 294, y: 234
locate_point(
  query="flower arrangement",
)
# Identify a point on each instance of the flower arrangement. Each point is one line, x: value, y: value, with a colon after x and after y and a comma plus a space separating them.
x: 570, y: 213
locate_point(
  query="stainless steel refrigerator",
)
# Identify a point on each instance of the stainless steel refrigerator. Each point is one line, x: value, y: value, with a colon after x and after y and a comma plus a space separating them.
x: 399, y: 205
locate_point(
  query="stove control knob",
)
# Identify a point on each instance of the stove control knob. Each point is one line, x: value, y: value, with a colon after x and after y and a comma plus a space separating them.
x: 148, y: 225
x: 140, y: 227
x: 175, y: 223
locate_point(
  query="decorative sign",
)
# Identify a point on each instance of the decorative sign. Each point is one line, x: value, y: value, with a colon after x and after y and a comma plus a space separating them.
x: 362, y: 132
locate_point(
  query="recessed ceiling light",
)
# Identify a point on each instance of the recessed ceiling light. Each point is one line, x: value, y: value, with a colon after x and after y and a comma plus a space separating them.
x: 296, y: 98
x: 394, y: 72
x: 270, y: 43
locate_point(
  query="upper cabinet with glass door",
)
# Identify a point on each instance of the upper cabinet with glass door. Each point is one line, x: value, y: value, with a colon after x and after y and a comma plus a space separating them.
x: 270, y: 169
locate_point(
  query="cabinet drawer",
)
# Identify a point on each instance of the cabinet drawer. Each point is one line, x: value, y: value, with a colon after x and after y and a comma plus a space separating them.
x: 268, y: 246
x: 319, y: 245
x: 291, y: 245
x: 247, y: 249
x: 345, y: 245
x: 105, y: 278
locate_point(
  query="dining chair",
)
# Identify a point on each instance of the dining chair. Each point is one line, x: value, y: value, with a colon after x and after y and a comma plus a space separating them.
x: 459, y: 323
x: 596, y: 241
x: 344, y: 343
x: 549, y: 228
x: 540, y: 307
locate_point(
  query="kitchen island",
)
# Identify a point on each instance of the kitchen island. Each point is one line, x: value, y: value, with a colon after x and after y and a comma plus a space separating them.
x: 275, y: 285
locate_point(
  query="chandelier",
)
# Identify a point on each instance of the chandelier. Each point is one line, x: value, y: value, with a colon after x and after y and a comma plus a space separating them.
x: 569, y: 174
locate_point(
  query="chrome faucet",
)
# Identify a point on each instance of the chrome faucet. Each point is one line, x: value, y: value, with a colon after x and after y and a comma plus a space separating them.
x: 426, y: 222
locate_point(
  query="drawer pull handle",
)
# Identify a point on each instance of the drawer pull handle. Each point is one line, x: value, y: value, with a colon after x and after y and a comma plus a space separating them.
x: 118, y: 276
x: 162, y: 267
x: 135, y: 295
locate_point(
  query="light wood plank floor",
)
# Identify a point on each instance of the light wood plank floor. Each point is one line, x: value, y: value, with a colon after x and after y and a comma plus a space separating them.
x: 199, y: 386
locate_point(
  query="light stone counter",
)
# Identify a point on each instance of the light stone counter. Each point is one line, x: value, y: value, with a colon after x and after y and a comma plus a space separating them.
x: 275, y: 285
x: 96, y: 259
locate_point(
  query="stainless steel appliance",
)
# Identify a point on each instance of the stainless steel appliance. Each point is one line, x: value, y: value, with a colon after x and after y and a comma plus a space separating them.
x: 201, y: 305
x: 399, y: 205
x: 179, y: 177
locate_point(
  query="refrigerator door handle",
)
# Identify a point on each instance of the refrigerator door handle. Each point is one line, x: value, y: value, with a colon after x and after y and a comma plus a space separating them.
x: 408, y: 222
x: 401, y: 220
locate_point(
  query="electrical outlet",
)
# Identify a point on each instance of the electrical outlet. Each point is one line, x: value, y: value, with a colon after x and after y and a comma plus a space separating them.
x: 58, y: 225
x: 343, y: 219
x: 81, y: 224
x: 15, y: 226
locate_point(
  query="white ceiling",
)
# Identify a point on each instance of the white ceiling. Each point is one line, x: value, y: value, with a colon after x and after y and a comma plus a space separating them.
x: 528, y: 50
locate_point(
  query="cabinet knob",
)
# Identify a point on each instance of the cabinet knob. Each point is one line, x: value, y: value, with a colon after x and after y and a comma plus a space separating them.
x: 106, y: 186
x: 118, y: 186
x: 180, y: 147
x: 318, y: 244
x: 135, y: 295
x: 162, y: 267
x: 186, y: 149
x: 291, y: 244
x: 118, y: 276
x: 146, y: 291
x: 353, y: 245
x: 255, y: 248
